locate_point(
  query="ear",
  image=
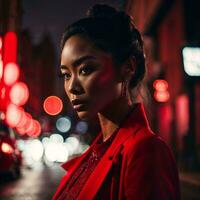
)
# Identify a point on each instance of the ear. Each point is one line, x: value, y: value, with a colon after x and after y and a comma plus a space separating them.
x: 128, y: 69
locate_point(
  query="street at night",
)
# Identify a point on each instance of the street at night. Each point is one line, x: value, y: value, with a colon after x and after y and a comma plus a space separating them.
x: 38, y: 183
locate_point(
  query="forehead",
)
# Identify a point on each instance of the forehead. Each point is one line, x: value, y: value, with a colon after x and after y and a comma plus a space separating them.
x: 78, y: 46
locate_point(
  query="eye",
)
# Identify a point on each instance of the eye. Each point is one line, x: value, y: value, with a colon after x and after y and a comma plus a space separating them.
x: 65, y: 75
x: 86, y: 70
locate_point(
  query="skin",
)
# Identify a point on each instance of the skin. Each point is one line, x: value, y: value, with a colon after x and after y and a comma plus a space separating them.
x: 91, y: 77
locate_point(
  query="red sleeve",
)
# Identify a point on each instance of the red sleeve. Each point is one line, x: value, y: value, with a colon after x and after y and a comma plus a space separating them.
x: 151, y: 172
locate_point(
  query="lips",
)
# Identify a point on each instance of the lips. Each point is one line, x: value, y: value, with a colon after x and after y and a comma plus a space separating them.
x: 78, y: 104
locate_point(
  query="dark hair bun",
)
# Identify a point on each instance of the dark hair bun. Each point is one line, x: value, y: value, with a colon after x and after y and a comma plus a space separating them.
x: 101, y: 11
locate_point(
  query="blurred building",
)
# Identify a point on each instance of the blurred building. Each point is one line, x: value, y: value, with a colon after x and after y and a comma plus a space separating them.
x: 39, y: 71
x: 10, y: 16
x: 168, y: 26
x: 36, y: 61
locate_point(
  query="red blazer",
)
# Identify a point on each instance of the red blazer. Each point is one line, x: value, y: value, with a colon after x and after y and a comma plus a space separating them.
x: 138, y: 165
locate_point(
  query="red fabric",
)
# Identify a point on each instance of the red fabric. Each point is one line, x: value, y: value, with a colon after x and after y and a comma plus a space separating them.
x: 138, y: 165
x: 80, y: 176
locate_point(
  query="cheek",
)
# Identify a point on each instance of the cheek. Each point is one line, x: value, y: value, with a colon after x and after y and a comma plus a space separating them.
x: 103, y: 85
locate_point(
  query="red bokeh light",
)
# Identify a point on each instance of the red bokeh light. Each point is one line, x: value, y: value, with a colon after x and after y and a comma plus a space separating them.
x: 23, y: 120
x: 35, y: 129
x: 10, y: 47
x: 1, y: 69
x: 13, y: 115
x: 31, y: 128
x: 1, y: 62
x: 53, y: 105
x: 1, y: 44
x: 6, y: 148
x: 161, y: 96
x: 24, y: 124
x: 11, y: 73
x: 161, y: 93
x: 160, y: 85
x: 21, y: 130
x: 19, y: 93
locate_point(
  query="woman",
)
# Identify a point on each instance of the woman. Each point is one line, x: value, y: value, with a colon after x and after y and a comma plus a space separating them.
x: 102, y: 62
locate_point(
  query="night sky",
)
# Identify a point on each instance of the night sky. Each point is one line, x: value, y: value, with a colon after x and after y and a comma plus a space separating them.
x: 52, y: 16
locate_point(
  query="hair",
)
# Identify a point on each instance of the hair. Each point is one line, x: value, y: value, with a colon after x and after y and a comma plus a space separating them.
x: 112, y: 31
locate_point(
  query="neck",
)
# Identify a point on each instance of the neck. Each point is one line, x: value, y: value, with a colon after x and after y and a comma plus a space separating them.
x: 111, y: 118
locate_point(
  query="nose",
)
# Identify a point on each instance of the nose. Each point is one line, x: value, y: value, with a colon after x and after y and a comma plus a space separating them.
x: 74, y: 86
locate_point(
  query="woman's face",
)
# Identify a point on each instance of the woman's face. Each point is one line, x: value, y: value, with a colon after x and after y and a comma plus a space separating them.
x: 90, y: 78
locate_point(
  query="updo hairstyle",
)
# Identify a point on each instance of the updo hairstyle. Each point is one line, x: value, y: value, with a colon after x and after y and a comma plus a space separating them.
x: 114, y: 32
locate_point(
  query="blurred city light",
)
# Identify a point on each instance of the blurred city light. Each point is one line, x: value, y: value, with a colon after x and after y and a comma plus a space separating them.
x: 37, y: 129
x: 30, y: 128
x: 2, y: 116
x: 69, y: 148
x: 19, y: 93
x: 34, y: 150
x: 50, y: 149
x: 81, y: 127
x: 56, y: 138
x: 6, y: 148
x: 63, y: 124
x: 53, y: 105
x: 63, y: 154
x: 10, y: 47
x: 51, y: 152
x: 21, y: 145
x: 45, y: 141
x: 24, y: 123
x: 74, y: 143
x: 11, y: 73
x: 13, y: 115
x: 1, y: 61
x: 37, y: 150
x: 1, y: 68
x: 161, y: 93
x: 1, y: 44
x: 191, y: 60
x: 34, y: 129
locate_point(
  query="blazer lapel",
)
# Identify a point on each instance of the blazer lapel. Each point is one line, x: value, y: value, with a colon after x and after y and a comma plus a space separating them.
x: 129, y: 128
x: 71, y: 166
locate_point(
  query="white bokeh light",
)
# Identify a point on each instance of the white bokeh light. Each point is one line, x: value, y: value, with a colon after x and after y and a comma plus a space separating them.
x: 56, y: 138
x: 63, y: 124
x: 191, y: 60
x: 34, y: 150
x: 74, y: 143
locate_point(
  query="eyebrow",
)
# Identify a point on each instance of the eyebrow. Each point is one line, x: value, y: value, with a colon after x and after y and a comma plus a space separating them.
x: 78, y: 61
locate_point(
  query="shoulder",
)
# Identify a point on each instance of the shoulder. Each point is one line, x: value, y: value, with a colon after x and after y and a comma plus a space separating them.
x: 145, y: 143
x: 149, y: 161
